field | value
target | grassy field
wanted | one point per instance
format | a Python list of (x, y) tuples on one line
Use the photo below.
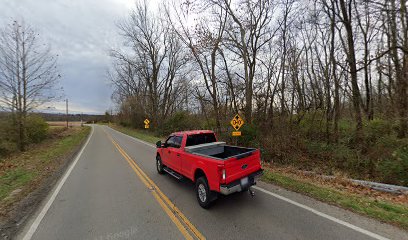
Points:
[(64, 124), (21, 173), (373, 204)]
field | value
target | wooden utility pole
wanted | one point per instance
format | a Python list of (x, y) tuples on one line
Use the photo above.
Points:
[(66, 108)]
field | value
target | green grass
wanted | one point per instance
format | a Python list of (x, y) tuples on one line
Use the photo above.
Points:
[(64, 145), (14, 179), (385, 211), (33, 164), (144, 135)]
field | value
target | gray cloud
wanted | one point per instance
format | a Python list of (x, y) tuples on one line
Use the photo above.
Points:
[(81, 33)]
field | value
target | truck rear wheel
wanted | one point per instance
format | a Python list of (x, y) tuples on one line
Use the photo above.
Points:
[(159, 165), (204, 195)]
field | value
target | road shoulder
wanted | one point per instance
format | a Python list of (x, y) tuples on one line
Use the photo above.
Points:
[(17, 213), (341, 214)]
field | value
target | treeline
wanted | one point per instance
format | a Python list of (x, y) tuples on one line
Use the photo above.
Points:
[(75, 117), (302, 73)]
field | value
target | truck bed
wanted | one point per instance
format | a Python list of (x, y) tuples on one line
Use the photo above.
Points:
[(219, 150)]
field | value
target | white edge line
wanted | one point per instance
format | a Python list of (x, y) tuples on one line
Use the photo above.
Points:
[(29, 234), (346, 224), (341, 222)]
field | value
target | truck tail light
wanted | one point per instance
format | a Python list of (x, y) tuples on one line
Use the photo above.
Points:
[(222, 173)]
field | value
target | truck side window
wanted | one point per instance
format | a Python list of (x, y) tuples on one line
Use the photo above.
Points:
[(190, 141), (170, 141), (177, 141), (197, 139)]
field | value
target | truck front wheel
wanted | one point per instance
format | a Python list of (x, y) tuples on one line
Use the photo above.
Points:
[(203, 193)]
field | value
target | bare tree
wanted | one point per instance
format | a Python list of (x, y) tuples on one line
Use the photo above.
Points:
[(398, 18), (368, 25), (144, 34), (28, 73), (154, 65), (204, 43), (248, 32), (346, 9), (298, 60)]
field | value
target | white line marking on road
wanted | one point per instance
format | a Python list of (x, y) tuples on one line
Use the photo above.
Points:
[(346, 224), (44, 211)]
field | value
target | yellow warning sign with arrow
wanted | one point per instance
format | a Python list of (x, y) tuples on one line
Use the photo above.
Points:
[(146, 122)]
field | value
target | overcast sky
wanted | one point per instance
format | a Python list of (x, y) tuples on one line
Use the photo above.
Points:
[(81, 32)]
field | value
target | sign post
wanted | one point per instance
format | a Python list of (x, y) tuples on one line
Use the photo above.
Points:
[(237, 123), (146, 122)]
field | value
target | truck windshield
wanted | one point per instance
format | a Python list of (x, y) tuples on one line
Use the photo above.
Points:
[(197, 139)]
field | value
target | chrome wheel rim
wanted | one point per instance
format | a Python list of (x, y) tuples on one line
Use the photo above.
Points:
[(202, 194)]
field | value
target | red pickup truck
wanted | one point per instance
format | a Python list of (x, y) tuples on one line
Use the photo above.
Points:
[(214, 166)]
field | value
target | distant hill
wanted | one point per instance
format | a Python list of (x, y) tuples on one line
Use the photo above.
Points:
[(71, 117), (62, 117)]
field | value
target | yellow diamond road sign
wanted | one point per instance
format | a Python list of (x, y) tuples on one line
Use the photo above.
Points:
[(146, 121), (237, 122)]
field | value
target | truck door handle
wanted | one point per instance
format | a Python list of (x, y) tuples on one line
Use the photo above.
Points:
[(178, 154)]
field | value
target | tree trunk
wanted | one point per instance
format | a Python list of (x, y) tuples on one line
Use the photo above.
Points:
[(403, 79), (351, 58)]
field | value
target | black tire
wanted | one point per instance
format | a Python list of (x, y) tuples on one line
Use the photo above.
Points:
[(204, 196), (159, 165)]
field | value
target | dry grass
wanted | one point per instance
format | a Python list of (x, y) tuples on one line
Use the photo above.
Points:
[(63, 124)]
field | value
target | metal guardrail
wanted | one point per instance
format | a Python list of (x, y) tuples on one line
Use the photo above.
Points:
[(383, 187)]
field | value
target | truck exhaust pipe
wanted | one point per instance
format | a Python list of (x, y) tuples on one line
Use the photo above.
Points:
[(251, 192)]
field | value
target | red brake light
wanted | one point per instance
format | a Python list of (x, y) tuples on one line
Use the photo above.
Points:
[(222, 173)]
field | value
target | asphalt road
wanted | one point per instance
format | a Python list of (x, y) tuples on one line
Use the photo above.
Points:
[(112, 191)]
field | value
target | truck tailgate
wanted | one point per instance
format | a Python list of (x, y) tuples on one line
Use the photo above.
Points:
[(243, 165)]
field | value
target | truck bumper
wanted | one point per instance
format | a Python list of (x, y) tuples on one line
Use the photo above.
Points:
[(242, 184)]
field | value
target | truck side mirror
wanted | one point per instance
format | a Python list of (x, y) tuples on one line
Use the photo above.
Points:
[(158, 144)]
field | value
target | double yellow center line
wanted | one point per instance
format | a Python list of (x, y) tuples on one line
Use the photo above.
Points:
[(186, 228)]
